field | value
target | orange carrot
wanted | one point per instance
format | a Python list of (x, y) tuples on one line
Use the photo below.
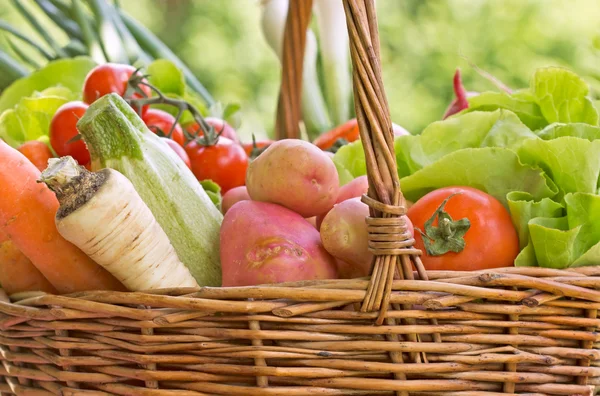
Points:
[(27, 216), (17, 273)]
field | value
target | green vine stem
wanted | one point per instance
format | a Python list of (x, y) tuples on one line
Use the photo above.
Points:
[(137, 80)]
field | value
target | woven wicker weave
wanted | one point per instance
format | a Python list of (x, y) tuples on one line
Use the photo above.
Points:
[(525, 331)]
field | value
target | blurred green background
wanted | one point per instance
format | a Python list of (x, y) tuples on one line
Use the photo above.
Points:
[(423, 42)]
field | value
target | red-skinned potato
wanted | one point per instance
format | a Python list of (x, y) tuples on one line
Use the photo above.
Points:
[(266, 243), (344, 235), (353, 189), (233, 196), (295, 174)]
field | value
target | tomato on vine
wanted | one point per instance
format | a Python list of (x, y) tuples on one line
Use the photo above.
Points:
[(63, 130), (111, 78), (160, 122), (221, 127), (254, 148), (224, 162), (37, 152), (463, 229)]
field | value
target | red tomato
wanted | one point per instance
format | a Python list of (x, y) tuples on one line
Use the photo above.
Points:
[(37, 152), (219, 125), (108, 78), (225, 163), (261, 144), (160, 122), (63, 128), (178, 150), (347, 131), (491, 240)]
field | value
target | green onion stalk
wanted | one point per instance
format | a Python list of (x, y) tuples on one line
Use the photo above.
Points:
[(335, 53), (314, 110)]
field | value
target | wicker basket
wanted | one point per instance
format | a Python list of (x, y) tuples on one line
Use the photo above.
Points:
[(403, 331)]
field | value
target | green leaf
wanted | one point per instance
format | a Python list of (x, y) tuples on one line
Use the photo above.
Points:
[(523, 208), (578, 129), (562, 96), (524, 107), (572, 163), (69, 73), (214, 192), (553, 242), (29, 119), (494, 170), (583, 210), (165, 76), (500, 128), (569, 237), (350, 162)]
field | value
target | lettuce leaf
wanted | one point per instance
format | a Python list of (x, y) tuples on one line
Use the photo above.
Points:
[(576, 129), (31, 116), (66, 73), (557, 235), (494, 170), (524, 106), (562, 96), (572, 163), (500, 128)]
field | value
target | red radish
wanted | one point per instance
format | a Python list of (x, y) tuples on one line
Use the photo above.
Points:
[(233, 196), (266, 243), (460, 102)]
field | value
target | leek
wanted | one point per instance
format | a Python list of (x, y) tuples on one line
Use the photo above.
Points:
[(314, 109), (335, 53)]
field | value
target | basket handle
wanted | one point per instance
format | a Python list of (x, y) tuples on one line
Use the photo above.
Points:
[(389, 239), (287, 124)]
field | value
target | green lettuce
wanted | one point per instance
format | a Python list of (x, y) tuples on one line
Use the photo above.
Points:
[(562, 96), (536, 150), (494, 170), (68, 74), (572, 163), (524, 106), (557, 235), (577, 129), (31, 116)]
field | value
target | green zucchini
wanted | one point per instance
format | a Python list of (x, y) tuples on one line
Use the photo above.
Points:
[(117, 138)]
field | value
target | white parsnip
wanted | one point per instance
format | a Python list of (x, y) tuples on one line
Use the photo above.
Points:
[(102, 214)]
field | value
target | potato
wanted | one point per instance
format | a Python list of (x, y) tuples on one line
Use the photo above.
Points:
[(344, 235), (295, 174), (266, 243), (356, 188), (233, 196)]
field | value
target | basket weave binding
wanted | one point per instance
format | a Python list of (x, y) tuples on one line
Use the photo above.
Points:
[(402, 331)]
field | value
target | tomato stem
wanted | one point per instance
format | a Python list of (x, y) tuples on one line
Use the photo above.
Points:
[(449, 234), (209, 136)]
